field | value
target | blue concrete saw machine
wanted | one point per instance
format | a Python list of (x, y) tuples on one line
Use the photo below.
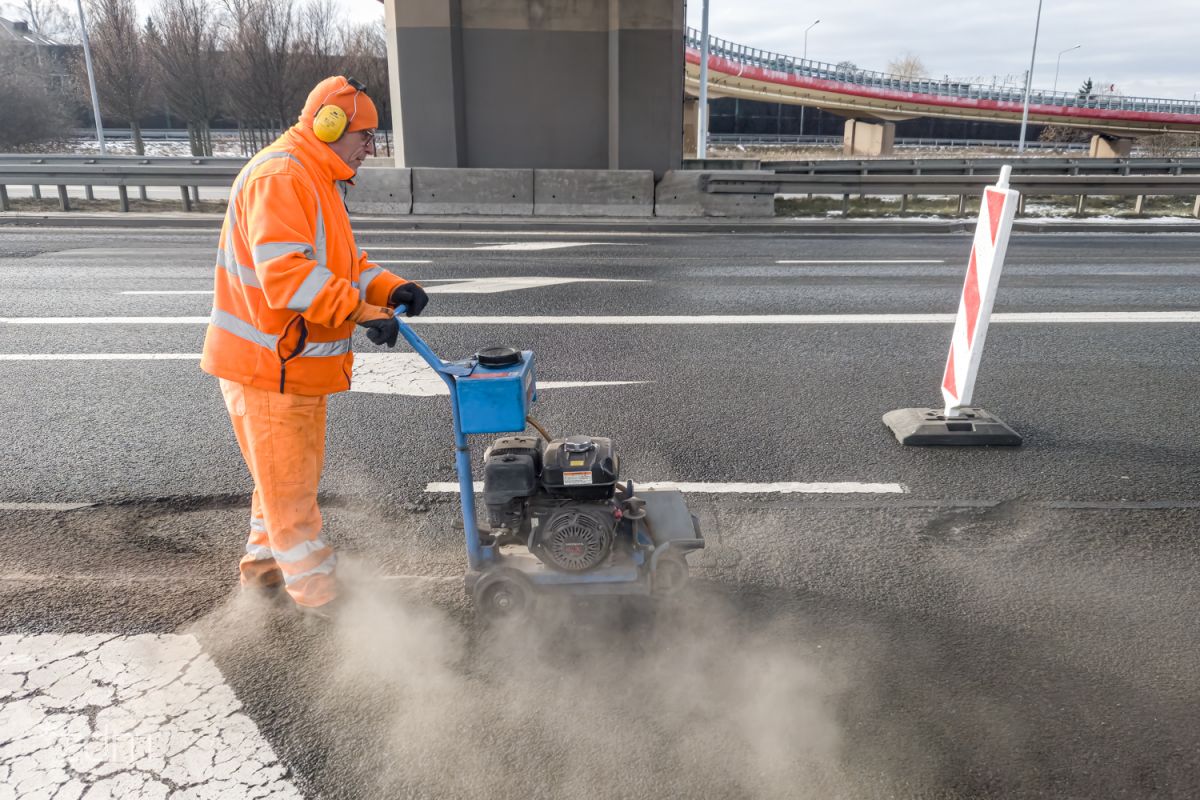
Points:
[(560, 520)]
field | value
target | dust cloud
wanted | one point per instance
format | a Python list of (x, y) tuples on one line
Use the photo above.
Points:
[(606, 700)]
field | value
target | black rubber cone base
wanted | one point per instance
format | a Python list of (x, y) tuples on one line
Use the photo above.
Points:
[(929, 426)]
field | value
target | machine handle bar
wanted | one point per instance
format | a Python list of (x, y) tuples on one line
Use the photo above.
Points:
[(446, 369)]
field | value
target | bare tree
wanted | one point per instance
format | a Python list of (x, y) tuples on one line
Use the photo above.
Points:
[(265, 91), (318, 44), (182, 37), (50, 18), (363, 50), (908, 66), (119, 55)]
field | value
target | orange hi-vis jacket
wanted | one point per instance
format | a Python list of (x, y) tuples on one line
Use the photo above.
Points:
[(289, 274)]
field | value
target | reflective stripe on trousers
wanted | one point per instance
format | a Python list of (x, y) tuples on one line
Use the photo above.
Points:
[(282, 439)]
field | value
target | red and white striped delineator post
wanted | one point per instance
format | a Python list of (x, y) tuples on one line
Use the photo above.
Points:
[(996, 214), (958, 422)]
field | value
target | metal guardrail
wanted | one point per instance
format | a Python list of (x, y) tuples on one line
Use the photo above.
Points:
[(964, 186), (989, 166), (58, 159), (844, 73), (153, 134), (784, 140), (781, 183), (187, 176)]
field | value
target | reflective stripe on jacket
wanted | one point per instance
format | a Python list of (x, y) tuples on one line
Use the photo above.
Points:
[(289, 274)]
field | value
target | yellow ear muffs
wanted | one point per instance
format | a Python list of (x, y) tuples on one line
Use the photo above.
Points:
[(330, 123)]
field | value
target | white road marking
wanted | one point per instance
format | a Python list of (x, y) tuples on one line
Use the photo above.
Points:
[(104, 320), (374, 373), (495, 285), (126, 716), (849, 487), (786, 487), (521, 247), (408, 374), (449, 285), (44, 506), (99, 356), (1037, 317), (866, 261), (408, 261)]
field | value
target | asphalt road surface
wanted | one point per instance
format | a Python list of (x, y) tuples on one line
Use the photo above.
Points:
[(867, 621)]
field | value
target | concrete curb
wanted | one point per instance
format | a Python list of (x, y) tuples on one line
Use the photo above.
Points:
[(503, 192), (593, 193), (381, 190), (114, 220)]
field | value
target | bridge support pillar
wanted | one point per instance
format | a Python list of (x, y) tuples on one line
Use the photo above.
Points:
[(691, 124), (1110, 147), (864, 138), (553, 84)]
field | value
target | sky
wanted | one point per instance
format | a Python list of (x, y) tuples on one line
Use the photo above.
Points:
[(1146, 47)]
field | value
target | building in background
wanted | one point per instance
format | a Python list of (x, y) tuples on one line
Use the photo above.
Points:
[(22, 46)]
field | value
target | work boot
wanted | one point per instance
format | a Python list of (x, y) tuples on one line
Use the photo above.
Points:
[(324, 614), (266, 593)]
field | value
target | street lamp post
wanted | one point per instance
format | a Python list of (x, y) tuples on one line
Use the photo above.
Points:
[(1058, 63), (802, 107), (87, 58), (1037, 26), (702, 112)]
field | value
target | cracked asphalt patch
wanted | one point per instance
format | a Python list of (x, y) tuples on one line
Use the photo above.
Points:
[(91, 716)]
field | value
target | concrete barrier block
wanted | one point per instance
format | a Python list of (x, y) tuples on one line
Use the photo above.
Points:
[(472, 191), (678, 194), (593, 193), (381, 190)]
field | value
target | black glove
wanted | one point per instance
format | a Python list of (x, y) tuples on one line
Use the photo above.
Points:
[(381, 326), (410, 295), (382, 331)]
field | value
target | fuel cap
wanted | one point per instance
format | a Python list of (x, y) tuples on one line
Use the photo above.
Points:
[(499, 357), (578, 444)]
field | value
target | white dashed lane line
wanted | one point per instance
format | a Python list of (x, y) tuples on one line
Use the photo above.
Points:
[(518, 247), (101, 715), (374, 373), (449, 285), (866, 261), (99, 356), (787, 487), (44, 506), (1039, 318)]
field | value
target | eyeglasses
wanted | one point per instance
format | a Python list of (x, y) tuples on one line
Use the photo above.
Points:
[(367, 136)]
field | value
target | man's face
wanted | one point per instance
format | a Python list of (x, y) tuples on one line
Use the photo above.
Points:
[(354, 147)]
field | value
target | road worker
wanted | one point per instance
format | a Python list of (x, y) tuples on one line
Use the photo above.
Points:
[(291, 285)]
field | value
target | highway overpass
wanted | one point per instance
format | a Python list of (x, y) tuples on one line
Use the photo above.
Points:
[(866, 96)]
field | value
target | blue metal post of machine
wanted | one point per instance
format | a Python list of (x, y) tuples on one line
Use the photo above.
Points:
[(462, 455)]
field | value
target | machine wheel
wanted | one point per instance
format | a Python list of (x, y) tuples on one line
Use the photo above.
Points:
[(500, 597), (670, 575)]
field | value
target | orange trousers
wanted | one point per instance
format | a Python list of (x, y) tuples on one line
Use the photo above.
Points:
[(282, 438)]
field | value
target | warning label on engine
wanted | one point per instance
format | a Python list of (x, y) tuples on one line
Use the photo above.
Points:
[(577, 478)]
